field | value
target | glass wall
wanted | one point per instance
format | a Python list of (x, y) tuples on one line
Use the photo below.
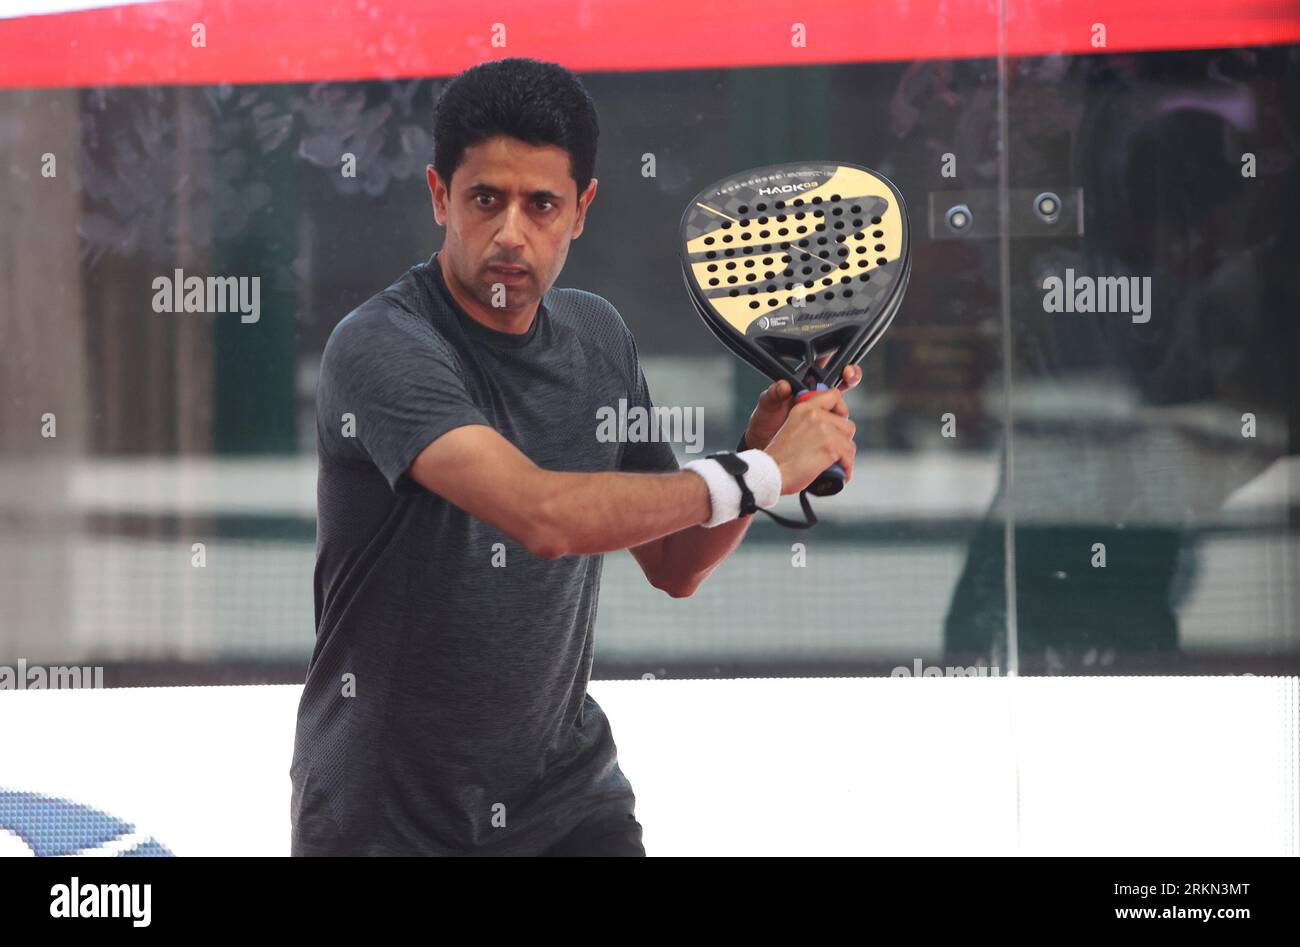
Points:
[(1150, 464), (1076, 444)]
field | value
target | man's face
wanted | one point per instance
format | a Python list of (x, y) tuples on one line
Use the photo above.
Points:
[(511, 205)]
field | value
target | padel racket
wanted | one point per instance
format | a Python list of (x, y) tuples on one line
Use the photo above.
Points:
[(798, 269)]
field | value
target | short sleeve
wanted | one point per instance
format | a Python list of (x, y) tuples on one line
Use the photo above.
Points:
[(645, 456), (400, 385)]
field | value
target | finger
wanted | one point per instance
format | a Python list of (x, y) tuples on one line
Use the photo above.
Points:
[(839, 406), (849, 378), (848, 453), (830, 400), (842, 424), (846, 461)]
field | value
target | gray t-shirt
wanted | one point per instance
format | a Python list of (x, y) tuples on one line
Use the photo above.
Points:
[(446, 708)]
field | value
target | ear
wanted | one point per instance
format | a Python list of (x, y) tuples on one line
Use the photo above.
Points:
[(438, 194), (584, 202)]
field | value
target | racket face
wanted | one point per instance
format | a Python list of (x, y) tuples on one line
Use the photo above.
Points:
[(788, 263)]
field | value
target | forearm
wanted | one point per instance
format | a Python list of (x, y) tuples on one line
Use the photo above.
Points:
[(691, 555), (587, 513)]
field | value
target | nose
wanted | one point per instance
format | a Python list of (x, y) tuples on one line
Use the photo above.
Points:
[(511, 235)]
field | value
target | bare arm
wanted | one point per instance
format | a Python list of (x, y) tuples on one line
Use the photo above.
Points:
[(556, 513), (680, 562)]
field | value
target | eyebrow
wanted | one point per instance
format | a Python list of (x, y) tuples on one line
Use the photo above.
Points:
[(481, 187)]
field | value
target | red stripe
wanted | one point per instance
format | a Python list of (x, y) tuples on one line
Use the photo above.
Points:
[(308, 40)]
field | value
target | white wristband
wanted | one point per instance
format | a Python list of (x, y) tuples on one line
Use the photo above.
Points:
[(763, 479)]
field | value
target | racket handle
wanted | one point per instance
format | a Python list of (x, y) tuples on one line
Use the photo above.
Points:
[(831, 480)]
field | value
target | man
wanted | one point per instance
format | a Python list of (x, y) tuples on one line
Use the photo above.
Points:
[(465, 502)]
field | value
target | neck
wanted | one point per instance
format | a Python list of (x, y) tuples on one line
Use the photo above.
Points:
[(513, 321)]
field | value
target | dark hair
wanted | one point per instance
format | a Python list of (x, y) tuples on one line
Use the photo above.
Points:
[(541, 103)]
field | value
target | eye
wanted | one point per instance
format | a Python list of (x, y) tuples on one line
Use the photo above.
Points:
[(543, 201), (480, 197)]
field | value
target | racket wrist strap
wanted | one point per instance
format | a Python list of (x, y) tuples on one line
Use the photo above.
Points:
[(810, 518)]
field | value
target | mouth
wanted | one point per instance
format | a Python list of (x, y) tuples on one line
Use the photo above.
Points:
[(508, 272)]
